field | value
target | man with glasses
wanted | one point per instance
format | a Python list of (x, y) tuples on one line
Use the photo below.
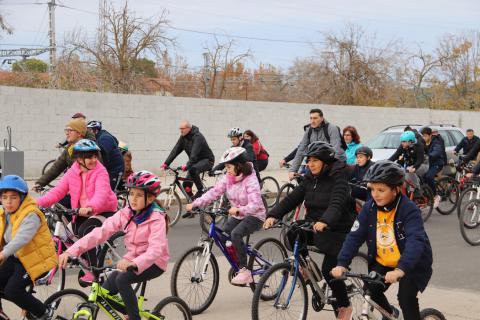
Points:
[(75, 130), (200, 156)]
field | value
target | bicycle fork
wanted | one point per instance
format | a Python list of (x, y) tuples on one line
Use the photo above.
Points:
[(201, 263)]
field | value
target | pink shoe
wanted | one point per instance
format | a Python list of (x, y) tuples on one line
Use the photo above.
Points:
[(345, 313), (244, 276), (88, 277)]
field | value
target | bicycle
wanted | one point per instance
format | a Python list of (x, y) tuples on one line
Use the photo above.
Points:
[(63, 237), (423, 197), (288, 187), (270, 189), (286, 283), (469, 221), (196, 272), (60, 304), (169, 198), (364, 308), (49, 164)]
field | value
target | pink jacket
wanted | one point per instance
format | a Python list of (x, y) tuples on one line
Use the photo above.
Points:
[(243, 193), (146, 243), (100, 196)]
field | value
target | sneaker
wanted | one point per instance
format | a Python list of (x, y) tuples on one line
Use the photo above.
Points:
[(436, 201), (188, 214), (344, 313), (243, 277), (395, 313), (88, 277)]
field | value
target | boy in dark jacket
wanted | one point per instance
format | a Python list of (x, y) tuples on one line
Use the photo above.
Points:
[(364, 155), (398, 246), (437, 158)]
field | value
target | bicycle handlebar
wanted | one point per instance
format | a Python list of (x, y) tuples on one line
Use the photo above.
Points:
[(96, 270), (218, 212), (372, 278)]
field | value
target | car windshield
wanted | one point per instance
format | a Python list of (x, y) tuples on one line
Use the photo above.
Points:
[(385, 140)]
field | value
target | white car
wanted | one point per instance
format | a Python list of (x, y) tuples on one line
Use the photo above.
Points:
[(387, 141)]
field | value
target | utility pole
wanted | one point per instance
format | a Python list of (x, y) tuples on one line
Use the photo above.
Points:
[(206, 76), (102, 24), (51, 34)]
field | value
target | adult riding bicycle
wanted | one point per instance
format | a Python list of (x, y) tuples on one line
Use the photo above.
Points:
[(75, 304), (364, 308), (286, 283), (195, 277)]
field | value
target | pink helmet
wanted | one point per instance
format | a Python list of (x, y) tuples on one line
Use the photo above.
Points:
[(144, 180)]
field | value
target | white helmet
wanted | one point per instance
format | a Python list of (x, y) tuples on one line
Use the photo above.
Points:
[(235, 132), (233, 154)]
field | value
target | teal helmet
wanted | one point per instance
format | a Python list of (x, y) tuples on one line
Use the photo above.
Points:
[(408, 136)]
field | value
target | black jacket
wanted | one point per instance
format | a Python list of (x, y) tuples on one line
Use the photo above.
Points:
[(356, 176), (412, 156), (111, 154), (195, 145), (327, 200), (466, 144), (436, 152)]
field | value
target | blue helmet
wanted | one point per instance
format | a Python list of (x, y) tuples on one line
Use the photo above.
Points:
[(13, 182), (94, 124), (85, 145), (408, 136)]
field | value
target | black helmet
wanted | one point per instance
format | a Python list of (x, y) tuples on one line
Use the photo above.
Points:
[(365, 151), (320, 150), (387, 172)]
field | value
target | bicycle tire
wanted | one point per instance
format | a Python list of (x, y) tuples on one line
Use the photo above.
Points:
[(285, 268), (53, 302), (446, 188), (45, 290), (270, 195), (173, 206), (174, 281), (465, 227), (267, 256), (470, 193), (286, 188), (431, 314), (174, 301)]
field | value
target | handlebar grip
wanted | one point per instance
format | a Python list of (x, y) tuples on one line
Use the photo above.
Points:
[(132, 268)]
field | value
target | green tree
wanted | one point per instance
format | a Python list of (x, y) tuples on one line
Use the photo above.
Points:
[(30, 65), (145, 67)]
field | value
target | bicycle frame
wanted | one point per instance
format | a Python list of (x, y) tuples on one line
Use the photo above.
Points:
[(368, 303), (100, 298)]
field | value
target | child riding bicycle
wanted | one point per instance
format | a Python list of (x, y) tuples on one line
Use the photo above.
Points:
[(398, 246), (247, 213), (145, 225), (27, 248), (88, 184)]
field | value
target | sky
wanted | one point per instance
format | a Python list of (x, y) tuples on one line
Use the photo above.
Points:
[(295, 26)]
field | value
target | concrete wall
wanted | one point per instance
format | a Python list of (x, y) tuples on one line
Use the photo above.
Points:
[(149, 124)]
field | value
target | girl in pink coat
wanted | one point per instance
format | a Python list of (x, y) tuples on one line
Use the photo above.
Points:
[(145, 225), (247, 213), (88, 184)]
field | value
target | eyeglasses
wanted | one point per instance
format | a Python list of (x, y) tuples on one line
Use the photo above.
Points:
[(68, 130)]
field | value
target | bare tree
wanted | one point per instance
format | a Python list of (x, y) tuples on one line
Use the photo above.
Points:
[(222, 63), (4, 27), (127, 39)]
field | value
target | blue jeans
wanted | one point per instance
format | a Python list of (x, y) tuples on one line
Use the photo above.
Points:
[(429, 177)]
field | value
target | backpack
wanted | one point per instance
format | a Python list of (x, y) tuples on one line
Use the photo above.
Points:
[(327, 136)]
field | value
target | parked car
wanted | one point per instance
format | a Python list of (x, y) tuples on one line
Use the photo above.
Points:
[(387, 141)]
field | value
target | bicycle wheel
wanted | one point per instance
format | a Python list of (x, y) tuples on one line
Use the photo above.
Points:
[(195, 280), (285, 191), (470, 222), (63, 303), (465, 197), (171, 203), (279, 282), (172, 308), (424, 201), (270, 189), (269, 251), (431, 314), (47, 167), (448, 190), (122, 199), (112, 251)]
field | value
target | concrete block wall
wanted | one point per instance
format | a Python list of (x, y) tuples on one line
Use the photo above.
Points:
[(149, 124)]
